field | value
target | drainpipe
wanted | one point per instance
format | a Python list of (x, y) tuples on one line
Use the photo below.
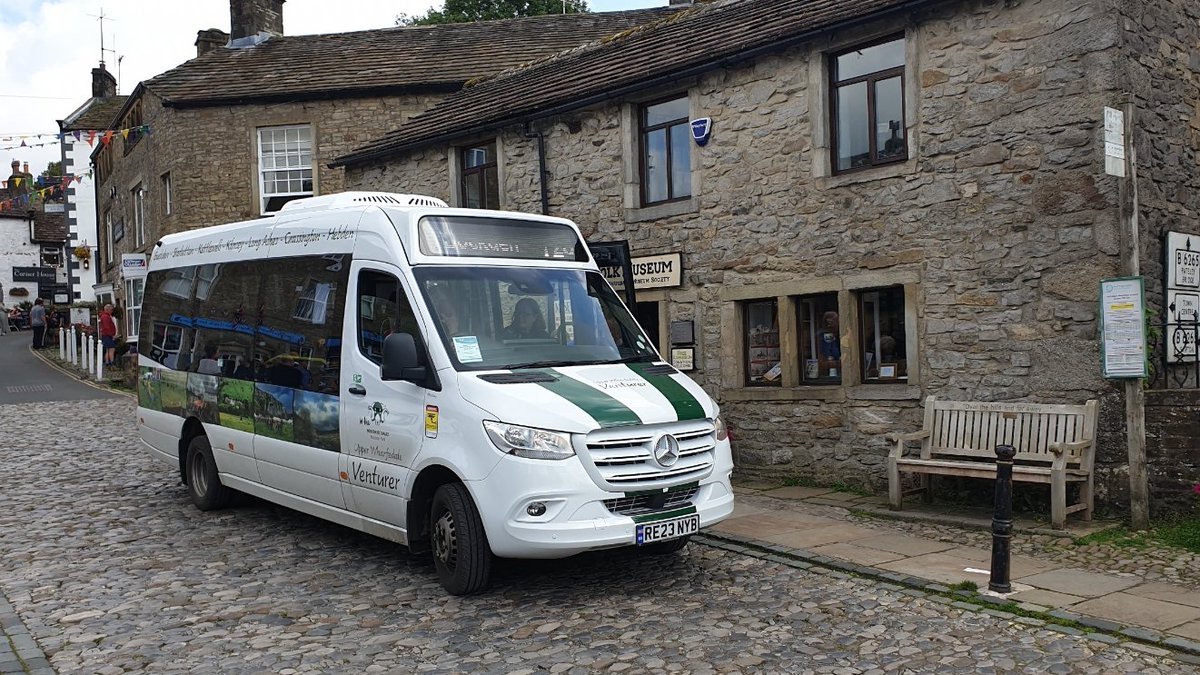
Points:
[(541, 139)]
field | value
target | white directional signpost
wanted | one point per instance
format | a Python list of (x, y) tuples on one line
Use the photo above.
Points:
[(1183, 296)]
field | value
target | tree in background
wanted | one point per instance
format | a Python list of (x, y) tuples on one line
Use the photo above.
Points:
[(466, 11)]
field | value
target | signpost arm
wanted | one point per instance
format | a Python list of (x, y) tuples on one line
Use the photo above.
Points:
[(1135, 410)]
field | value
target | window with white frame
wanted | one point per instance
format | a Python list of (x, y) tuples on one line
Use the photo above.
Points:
[(284, 165), (166, 186), (133, 306), (315, 300), (51, 256), (108, 234), (138, 199)]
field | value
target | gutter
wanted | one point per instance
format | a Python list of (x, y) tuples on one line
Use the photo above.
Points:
[(608, 95)]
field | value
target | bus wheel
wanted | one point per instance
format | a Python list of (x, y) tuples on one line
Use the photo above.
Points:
[(665, 547), (460, 549), (204, 485)]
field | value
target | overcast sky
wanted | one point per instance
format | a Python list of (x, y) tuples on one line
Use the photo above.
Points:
[(49, 47)]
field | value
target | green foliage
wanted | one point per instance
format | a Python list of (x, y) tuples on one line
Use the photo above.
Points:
[(466, 11), (1181, 532), (966, 585), (53, 169)]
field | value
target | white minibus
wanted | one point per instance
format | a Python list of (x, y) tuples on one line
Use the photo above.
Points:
[(457, 380)]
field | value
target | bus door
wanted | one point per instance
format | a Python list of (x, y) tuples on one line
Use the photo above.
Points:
[(382, 422)]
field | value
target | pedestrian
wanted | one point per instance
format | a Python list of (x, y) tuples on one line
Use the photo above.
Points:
[(37, 321), (3, 319), (108, 334)]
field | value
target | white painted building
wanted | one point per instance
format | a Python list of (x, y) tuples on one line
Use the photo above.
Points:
[(78, 141), (16, 250)]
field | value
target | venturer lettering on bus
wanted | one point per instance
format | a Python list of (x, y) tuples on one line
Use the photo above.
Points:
[(373, 477)]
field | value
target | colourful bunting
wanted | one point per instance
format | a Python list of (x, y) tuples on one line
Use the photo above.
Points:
[(91, 134)]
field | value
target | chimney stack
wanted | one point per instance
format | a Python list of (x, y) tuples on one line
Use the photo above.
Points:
[(248, 18), (208, 40), (680, 3), (104, 85)]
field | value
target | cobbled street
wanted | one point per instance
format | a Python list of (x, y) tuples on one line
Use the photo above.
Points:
[(112, 570)]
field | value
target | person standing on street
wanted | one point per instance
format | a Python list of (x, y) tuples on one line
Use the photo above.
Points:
[(108, 334), (37, 320), (3, 319)]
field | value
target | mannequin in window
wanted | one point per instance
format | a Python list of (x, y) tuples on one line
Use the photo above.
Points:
[(527, 322)]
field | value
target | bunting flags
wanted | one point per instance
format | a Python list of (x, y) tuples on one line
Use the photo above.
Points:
[(91, 134), (25, 199)]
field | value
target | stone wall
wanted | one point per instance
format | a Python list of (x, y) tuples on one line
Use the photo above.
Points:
[(999, 227), (1173, 449), (212, 154)]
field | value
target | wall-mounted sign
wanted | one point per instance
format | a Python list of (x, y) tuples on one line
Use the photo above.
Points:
[(684, 358), (1123, 327), (35, 274), (133, 265), (701, 130), (682, 333), (1114, 142), (653, 271), (1183, 296)]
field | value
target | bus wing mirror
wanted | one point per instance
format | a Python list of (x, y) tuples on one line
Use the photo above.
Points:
[(400, 359)]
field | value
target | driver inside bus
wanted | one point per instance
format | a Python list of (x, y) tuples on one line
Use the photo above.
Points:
[(527, 322)]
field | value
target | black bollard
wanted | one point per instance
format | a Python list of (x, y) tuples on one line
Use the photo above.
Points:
[(1002, 520)]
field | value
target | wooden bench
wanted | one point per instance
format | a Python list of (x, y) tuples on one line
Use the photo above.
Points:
[(1056, 444)]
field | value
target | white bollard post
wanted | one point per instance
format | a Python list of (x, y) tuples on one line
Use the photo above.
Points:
[(99, 360), (71, 345), (87, 353), (62, 344)]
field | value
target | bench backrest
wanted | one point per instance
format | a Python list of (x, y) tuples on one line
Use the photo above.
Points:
[(965, 428)]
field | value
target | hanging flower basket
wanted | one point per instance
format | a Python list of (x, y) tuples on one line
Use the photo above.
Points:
[(82, 252), (19, 292)]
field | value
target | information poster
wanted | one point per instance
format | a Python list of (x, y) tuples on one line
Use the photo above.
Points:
[(1123, 327)]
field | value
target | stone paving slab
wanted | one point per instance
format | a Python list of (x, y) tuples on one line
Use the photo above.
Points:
[(1019, 566), (1190, 630), (1131, 609), (817, 536), (941, 567), (1080, 582), (856, 554), (759, 524), (1167, 593), (1041, 596), (797, 492), (903, 544)]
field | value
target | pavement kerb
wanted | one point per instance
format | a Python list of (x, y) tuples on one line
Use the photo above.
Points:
[(1053, 619), (83, 379)]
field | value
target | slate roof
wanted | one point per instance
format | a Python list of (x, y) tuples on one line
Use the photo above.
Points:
[(697, 39), (49, 227), (390, 60), (97, 113)]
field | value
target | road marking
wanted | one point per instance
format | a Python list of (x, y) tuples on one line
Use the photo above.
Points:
[(29, 388)]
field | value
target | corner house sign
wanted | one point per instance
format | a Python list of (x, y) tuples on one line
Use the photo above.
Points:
[(652, 271), (133, 265)]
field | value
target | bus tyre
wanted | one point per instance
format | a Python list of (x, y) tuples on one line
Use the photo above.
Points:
[(665, 547), (204, 485), (460, 549)]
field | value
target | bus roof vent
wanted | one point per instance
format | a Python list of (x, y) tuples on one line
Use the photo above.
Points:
[(344, 200)]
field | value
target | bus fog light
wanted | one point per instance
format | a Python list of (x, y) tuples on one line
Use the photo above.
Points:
[(536, 509)]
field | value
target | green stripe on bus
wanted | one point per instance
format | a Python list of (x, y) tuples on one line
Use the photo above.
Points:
[(606, 410), (686, 406), (664, 515)]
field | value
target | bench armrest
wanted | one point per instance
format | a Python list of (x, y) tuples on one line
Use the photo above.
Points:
[(1073, 447), (900, 439)]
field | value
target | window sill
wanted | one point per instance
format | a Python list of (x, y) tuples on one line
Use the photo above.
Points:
[(904, 168), (884, 392), (832, 393), (690, 205)]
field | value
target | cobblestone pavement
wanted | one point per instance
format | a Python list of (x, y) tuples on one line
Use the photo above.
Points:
[(111, 570)]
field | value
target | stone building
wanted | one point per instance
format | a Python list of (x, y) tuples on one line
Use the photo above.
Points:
[(255, 119), (78, 139), (899, 198)]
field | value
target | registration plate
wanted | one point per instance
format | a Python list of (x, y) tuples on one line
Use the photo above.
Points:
[(662, 530)]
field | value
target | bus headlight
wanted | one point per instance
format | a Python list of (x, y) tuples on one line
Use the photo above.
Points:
[(529, 442)]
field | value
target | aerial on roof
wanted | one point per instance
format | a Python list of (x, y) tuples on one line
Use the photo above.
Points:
[(697, 39), (389, 60)]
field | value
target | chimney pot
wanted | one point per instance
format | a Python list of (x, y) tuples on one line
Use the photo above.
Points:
[(251, 17), (104, 85), (208, 40)]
